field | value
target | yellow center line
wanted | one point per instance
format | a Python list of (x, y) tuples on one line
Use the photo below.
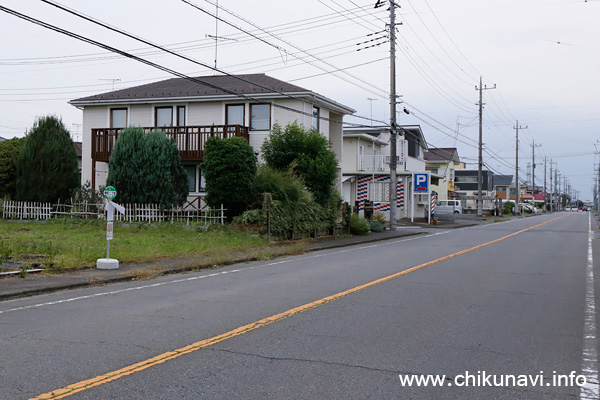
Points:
[(161, 358)]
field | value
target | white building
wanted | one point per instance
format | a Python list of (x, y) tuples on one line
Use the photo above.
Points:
[(366, 172), (192, 111)]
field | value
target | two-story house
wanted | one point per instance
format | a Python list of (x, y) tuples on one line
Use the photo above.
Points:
[(443, 162), (366, 171), (502, 186), (467, 188), (191, 111)]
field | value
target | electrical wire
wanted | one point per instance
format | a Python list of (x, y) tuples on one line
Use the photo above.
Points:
[(295, 47), (160, 67)]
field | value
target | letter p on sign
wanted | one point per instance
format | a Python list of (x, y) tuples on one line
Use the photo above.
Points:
[(421, 183)]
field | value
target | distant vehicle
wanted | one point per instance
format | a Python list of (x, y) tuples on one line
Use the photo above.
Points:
[(527, 207), (449, 207)]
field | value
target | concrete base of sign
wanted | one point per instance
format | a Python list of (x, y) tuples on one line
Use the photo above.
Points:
[(107, 263)]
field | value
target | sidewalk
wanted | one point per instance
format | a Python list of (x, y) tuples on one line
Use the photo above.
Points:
[(34, 284)]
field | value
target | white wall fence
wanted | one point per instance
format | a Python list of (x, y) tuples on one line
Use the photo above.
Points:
[(20, 210), (26, 210)]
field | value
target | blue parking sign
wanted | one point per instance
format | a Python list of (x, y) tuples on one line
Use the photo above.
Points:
[(421, 183)]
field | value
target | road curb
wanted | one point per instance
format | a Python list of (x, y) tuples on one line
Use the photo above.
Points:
[(200, 266)]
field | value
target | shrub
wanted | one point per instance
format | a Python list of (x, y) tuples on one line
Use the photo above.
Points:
[(229, 168), (359, 225), (379, 218), (146, 168), (47, 164), (508, 208), (307, 153), (283, 186), (376, 226), (9, 153)]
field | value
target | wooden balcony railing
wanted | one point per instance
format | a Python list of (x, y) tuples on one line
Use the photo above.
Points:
[(190, 140)]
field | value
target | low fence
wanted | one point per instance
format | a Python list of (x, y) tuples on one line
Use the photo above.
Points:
[(21, 210), (26, 210)]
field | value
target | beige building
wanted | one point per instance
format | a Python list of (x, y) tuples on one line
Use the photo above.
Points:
[(443, 162)]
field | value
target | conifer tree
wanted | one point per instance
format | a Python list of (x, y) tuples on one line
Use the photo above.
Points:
[(47, 165), (9, 153), (229, 168), (146, 168)]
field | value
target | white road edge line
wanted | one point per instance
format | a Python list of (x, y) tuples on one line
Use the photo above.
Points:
[(383, 243), (589, 365), (193, 278)]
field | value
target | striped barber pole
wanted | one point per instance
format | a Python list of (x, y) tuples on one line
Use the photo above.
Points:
[(433, 201), (362, 193)]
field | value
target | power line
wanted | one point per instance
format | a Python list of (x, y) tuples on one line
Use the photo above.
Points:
[(292, 45), (160, 67)]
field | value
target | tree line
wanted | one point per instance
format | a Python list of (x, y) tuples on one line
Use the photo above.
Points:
[(298, 169)]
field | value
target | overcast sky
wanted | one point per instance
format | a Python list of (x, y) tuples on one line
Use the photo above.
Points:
[(542, 55)]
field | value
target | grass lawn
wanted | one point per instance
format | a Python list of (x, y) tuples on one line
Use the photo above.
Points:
[(69, 243)]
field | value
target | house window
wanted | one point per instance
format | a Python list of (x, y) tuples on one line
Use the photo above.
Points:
[(163, 116), (180, 115), (196, 182), (466, 179), (315, 118), (379, 192), (413, 146), (234, 114), (118, 117), (260, 117)]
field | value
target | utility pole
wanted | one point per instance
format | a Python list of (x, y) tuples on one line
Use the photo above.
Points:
[(556, 188), (551, 188), (517, 127), (393, 128), (565, 187), (598, 190), (545, 192), (533, 146), (480, 166), (559, 198)]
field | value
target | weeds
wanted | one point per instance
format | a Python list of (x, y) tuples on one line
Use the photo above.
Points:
[(63, 245)]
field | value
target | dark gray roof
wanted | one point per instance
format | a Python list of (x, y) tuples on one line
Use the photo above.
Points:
[(2, 139), (442, 154), (208, 87), (503, 180), (181, 87)]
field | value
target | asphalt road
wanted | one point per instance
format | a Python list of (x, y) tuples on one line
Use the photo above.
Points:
[(517, 300)]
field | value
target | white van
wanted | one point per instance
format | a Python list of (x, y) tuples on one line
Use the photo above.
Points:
[(449, 207)]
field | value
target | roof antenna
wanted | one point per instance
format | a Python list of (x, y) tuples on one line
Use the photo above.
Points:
[(113, 80), (216, 34)]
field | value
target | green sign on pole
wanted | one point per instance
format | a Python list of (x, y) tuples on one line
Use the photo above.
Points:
[(110, 193)]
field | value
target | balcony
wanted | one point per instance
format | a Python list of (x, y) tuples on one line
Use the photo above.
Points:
[(190, 140), (376, 163)]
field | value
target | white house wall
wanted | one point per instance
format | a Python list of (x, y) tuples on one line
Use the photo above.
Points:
[(208, 113), (93, 117), (139, 115), (205, 113), (415, 165)]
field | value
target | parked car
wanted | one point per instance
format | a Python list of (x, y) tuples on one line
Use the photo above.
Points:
[(449, 207), (528, 207)]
